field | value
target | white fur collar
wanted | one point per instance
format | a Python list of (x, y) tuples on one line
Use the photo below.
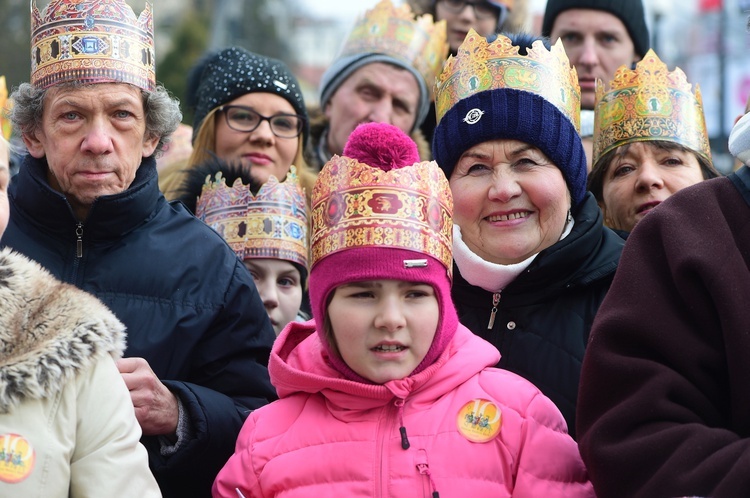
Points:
[(49, 331)]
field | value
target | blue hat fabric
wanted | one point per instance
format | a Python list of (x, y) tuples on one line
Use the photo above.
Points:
[(512, 114)]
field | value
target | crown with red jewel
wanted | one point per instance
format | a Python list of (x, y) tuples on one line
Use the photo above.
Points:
[(480, 65), (92, 41), (355, 205), (271, 224), (393, 30), (649, 103)]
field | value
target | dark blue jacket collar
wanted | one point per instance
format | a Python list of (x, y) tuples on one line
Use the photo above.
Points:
[(111, 216)]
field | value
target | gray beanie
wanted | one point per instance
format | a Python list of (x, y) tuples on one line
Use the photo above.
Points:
[(343, 67)]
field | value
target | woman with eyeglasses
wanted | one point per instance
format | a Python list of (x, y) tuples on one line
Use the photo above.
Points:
[(249, 110)]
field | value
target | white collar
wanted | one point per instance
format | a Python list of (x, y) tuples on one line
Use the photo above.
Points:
[(491, 277)]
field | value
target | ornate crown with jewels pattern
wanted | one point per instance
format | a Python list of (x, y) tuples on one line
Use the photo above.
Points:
[(92, 41), (269, 225), (394, 31), (649, 103), (356, 205), (480, 65)]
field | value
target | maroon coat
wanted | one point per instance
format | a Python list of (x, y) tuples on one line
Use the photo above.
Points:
[(664, 402)]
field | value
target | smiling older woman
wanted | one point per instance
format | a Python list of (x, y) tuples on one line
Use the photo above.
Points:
[(533, 259), (656, 147)]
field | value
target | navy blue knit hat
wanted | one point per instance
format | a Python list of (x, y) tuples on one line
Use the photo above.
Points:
[(512, 114), (223, 76)]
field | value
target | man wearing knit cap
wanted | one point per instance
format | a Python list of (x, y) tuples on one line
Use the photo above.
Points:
[(599, 36), (384, 73)]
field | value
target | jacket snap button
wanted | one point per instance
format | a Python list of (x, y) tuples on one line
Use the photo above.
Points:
[(511, 325)]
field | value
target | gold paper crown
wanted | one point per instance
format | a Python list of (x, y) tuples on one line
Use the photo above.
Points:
[(271, 224), (649, 103), (390, 30), (480, 65), (356, 206), (5, 105), (92, 41)]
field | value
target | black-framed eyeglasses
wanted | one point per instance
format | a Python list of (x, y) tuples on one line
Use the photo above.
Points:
[(482, 8), (245, 119)]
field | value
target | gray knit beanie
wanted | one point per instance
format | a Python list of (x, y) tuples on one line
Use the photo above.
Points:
[(344, 66)]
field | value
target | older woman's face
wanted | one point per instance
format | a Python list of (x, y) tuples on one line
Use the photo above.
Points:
[(510, 200), (643, 177)]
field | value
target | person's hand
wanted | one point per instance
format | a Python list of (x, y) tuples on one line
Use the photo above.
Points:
[(156, 407)]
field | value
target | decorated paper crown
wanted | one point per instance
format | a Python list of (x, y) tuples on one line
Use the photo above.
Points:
[(271, 224), (5, 124), (480, 65), (92, 41), (394, 31), (358, 206), (649, 103)]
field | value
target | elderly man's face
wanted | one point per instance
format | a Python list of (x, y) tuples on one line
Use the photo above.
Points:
[(375, 93), (93, 138)]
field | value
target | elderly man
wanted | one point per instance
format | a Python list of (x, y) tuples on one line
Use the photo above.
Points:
[(384, 73), (86, 205)]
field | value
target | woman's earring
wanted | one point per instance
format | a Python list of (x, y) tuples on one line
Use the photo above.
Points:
[(569, 218)]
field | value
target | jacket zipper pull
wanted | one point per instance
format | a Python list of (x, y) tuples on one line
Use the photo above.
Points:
[(424, 469), (79, 240), (495, 301), (404, 440)]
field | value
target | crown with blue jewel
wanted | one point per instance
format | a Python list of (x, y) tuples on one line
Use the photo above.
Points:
[(92, 41)]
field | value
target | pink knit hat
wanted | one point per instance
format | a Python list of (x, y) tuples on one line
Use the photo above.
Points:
[(378, 213)]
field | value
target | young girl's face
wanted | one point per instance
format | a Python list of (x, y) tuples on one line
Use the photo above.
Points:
[(383, 328), (280, 287)]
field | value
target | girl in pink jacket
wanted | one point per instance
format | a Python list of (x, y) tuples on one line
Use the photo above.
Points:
[(384, 393)]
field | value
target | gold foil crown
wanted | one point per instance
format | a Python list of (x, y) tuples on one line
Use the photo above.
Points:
[(479, 66), (649, 103), (355, 206), (269, 225), (92, 41), (390, 30)]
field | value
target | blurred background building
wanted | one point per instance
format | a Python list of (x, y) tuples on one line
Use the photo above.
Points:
[(708, 39)]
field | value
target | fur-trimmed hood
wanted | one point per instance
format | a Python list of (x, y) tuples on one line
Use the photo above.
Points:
[(49, 331)]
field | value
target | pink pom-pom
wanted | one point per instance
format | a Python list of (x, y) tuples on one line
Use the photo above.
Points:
[(381, 145)]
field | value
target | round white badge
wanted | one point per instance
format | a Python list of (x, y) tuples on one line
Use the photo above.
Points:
[(473, 116)]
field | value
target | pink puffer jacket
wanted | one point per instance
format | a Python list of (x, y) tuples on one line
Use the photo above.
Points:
[(469, 430)]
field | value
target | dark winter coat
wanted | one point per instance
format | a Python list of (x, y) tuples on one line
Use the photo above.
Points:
[(664, 407), (544, 316), (190, 306)]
